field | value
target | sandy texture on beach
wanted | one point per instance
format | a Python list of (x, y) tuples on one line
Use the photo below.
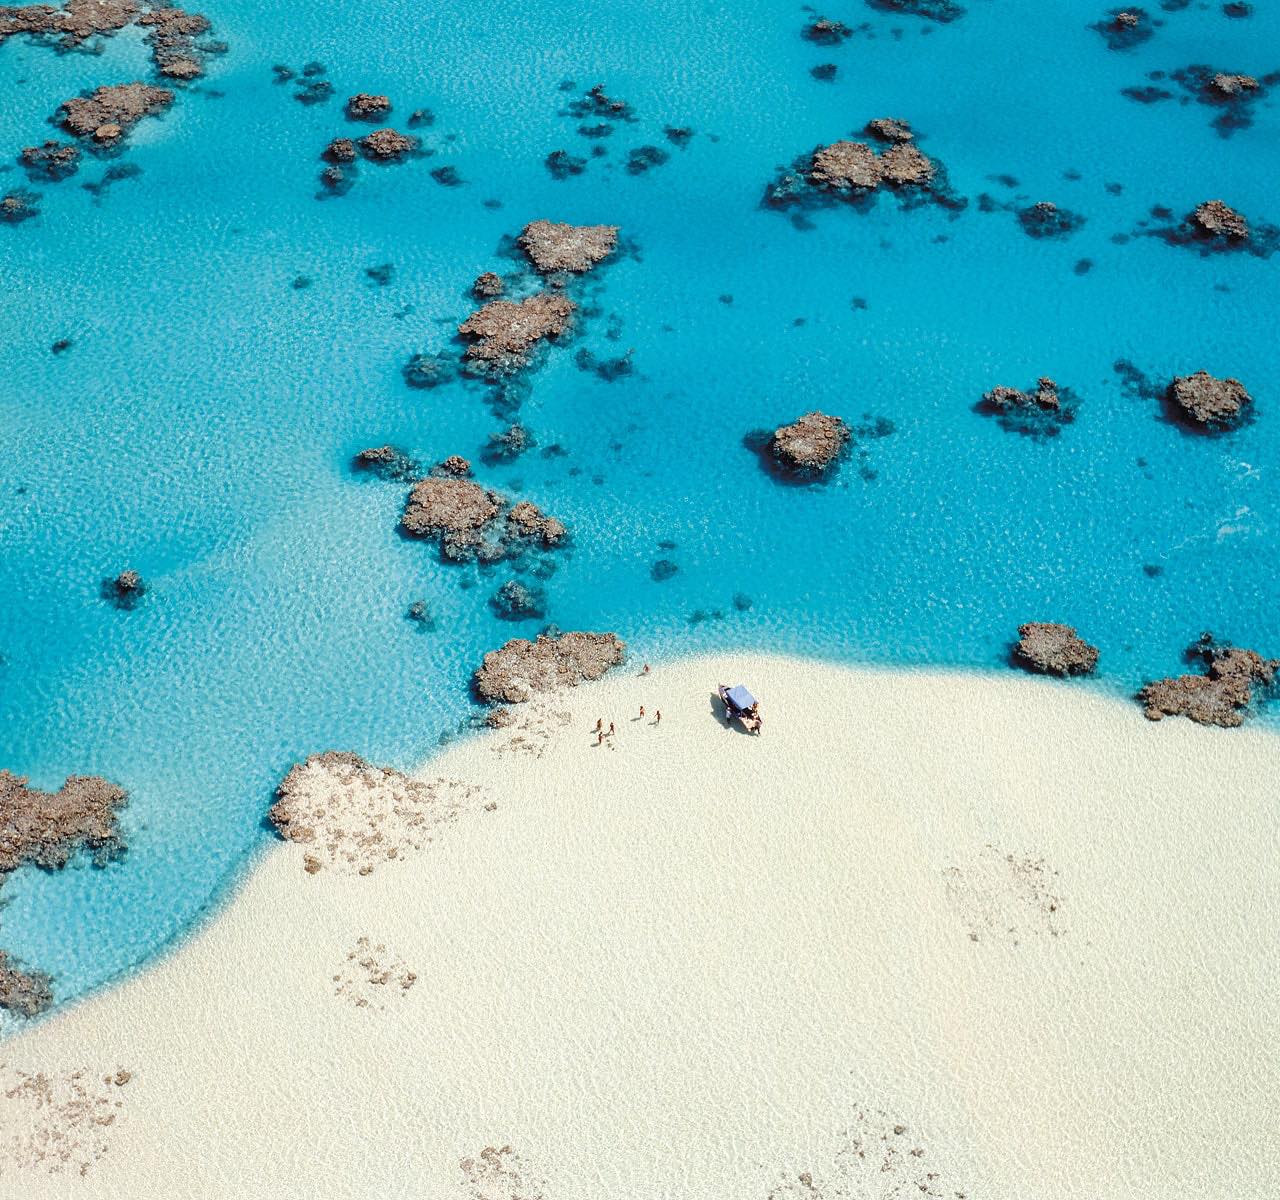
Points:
[(931, 935)]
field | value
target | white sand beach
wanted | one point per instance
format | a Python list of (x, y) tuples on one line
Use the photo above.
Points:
[(932, 934)]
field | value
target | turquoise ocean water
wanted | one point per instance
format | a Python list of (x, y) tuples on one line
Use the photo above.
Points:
[(200, 426)]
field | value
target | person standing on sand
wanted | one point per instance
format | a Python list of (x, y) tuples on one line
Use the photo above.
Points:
[(657, 716), (642, 712), (611, 729), (599, 724), (599, 737), (646, 669)]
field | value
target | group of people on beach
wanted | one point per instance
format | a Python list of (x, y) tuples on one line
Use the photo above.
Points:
[(601, 732)]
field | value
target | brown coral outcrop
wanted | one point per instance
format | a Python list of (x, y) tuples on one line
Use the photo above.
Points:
[(1215, 219), (1209, 401), (364, 106), (905, 165), (846, 165), (522, 669), (503, 332), (552, 246), (1233, 85), (25, 993), (109, 113), (811, 444), (890, 129), (470, 521), (1045, 396), (387, 145), (1221, 696), (1054, 649), (488, 285), (78, 21), (45, 829)]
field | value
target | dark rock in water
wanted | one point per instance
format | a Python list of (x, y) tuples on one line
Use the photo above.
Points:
[(366, 107), (488, 285), (45, 829), (553, 246), (742, 602), (447, 176), (1083, 267), (942, 11), (905, 166), (23, 993), (1047, 220), (890, 129), (61, 346), (608, 369), (678, 135), (824, 32), (470, 521), (508, 445), (1125, 28), (1209, 402), (340, 150), (644, 158), (381, 275), (52, 161), (1237, 11), (563, 165), (172, 37), (824, 72), (107, 114), (516, 601), (18, 206), (662, 570), (387, 145), (522, 669), (1221, 696), (1216, 221), (596, 102), (420, 118), (504, 332), (388, 462), (420, 614), (1232, 94), (846, 165), (430, 370), (1038, 412), (1232, 85), (125, 590), (1054, 649), (811, 444), (70, 26), (454, 465), (337, 179)]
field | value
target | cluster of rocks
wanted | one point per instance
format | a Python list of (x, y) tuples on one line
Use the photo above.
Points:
[(1037, 412), (811, 444), (125, 590), (18, 206), (388, 462), (1125, 28), (472, 522), (522, 669), (1053, 649), (364, 106), (1044, 219), (508, 445), (171, 32), (52, 160), (26, 993), (107, 114), (1215, 227), (1209, 402), (941, 11), (554, 247), (1221, 695), (503, 333), (519, 601), (824, 32), (854, 171), (1215, 220), (45, 829), (488, 286)]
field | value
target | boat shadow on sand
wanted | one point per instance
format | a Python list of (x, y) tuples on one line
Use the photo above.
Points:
[(721, 714)]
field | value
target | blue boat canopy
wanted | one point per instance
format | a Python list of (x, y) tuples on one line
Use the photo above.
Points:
[(739, 697)]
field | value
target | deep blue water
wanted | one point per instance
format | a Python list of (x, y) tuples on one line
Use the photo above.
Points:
[(201, 425)]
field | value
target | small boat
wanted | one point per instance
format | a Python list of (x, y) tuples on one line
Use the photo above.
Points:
[(742, 706)]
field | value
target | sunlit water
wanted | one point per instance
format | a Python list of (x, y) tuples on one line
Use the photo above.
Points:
[(201, 425)]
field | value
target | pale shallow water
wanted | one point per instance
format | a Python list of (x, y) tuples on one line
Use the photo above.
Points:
[(201, 425)]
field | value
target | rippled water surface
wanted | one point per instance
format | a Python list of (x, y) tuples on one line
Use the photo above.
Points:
[(200, 426)]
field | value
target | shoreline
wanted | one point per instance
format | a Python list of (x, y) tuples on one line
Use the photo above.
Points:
[(622, 955)]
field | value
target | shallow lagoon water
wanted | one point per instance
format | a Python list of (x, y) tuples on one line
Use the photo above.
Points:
[(201, 425)]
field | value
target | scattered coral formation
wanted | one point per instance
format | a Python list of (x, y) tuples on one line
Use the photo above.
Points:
[(107, 114), (1125, 28), (471, 522), (488, 285), (825, 32), (1214, 219), (171, 36), (125, 590), (811, 444), (1044, 219), (387, 145), (504, 332), (1054, 649), (1210, 403), (370, 973), (26, 993), (500, 1174), (353, 816), (58, 1123), (388, 462), (1005, 897), (364, 106), (45, 829), (1038, 412), (1221, 696), (552, 246), (521, 669), (51, 161), (518, 601)]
